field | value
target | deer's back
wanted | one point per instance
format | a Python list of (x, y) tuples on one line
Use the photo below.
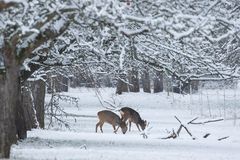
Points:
[(130, 113), (109, 117)]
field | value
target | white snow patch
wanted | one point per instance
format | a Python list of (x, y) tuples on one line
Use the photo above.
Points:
[(81, 142)]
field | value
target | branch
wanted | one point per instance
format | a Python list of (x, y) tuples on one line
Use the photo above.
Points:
[(44, 35), (5, 5), (129, 33), (173, 135), (183, 126), (209, 121), (223, 138)]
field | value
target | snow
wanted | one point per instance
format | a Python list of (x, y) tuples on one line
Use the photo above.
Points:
[(81, 141), (26, 29), (128, 32), (121, 58), (17, 1), (181, 35), (58, 25)]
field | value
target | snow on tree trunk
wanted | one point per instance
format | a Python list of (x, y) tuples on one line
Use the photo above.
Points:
[(28, 105), (158, 82)]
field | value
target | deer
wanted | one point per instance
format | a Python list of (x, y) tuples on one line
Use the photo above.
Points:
[(130, 115), (111, 118)]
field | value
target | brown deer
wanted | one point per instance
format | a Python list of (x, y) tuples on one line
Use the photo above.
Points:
[(132, 116), (111, 118)]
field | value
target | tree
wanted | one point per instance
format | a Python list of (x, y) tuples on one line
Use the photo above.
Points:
[(18, 42), (158, 82), (146, 80), (187, 39)]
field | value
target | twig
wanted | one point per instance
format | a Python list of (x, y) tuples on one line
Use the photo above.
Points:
[(173, 135), (192, 120), (219, 139), (183, 126), (206, 135), (209, 121), (190, 134), (179, 130), (178, 120)]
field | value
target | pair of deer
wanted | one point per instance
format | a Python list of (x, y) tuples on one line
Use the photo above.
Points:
[(127, 114)]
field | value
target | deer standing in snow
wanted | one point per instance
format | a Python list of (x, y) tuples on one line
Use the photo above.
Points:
[(132, 116), (111, 118)]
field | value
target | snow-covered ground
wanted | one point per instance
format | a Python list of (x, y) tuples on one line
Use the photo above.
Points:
[(81, 141)]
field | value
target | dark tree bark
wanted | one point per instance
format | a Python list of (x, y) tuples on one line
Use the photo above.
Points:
[(27, 102), (7, 119), (107, 81), (134, 81), (61, 84), (121, 85), (38, 91), (12, 122), (158, 82), (146, 81), (194, 86)]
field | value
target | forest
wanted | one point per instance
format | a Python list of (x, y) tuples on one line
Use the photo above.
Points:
[(176, 63)]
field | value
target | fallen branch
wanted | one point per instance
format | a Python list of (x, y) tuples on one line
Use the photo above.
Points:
[(173, 135), (206, 135), (219, 139), (183, 126), (192, 120), (209, 121)]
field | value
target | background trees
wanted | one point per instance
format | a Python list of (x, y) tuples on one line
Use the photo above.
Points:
[(184, 41)]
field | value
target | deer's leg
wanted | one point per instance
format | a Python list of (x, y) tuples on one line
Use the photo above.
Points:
[(101, 124), (130, 123), (97, 125), (138, 127), (114, 128)]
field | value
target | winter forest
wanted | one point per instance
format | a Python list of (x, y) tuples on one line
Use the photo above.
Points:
[(120, 79)]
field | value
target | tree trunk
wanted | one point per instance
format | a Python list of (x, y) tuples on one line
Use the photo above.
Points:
[(190, 87), (62, 84), (11, 119), (28, 104), (38, 91), (134, 81), (121, 85), (146, 81), (33, 96), (158, 82), (7, 119)]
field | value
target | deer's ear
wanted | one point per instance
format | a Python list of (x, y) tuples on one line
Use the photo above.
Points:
[(145, 122)]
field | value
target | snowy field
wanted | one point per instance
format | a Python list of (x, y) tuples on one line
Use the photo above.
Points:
[(80, 142)]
